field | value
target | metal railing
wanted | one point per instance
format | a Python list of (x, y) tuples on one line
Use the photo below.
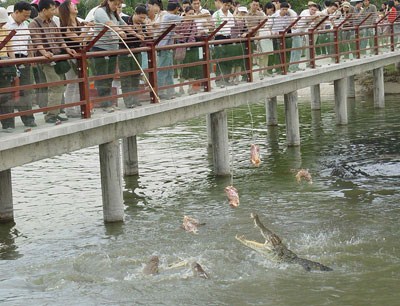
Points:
[(350, 38)]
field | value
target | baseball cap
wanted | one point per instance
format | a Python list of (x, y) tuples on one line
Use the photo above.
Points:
[(243, 9)]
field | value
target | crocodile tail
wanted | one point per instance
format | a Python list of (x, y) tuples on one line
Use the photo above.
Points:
[(309, 265)]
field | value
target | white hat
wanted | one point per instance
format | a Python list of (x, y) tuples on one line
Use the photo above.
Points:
[(10, 9), (242, 9), (3, 15)]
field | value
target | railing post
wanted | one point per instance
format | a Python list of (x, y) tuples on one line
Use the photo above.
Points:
[(392, 37), (152, 57), (282, 53), (357, 38), (376, 41), (206, 66), (336, 42), (84, 87), (311, 47), (249, 60)]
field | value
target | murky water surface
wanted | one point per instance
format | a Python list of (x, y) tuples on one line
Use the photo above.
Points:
[(60, 251)]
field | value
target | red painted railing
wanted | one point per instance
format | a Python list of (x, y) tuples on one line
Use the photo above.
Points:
[(346, 39)]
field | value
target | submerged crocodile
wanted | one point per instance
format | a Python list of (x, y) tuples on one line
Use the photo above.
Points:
[(274, 249)]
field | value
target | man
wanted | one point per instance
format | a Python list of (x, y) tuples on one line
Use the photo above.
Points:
[(327, 38), (222, 50), (308, 16), (280, 20), (368, 33), (203, 24), (254, 17), (7, 74), (126, 62), (47, 41), (165, 57), (19, 49)]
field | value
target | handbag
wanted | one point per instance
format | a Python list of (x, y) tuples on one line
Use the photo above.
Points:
[(180, 54), (62, 67)]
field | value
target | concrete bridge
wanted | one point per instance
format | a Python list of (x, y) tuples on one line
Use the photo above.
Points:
[(106, 130)]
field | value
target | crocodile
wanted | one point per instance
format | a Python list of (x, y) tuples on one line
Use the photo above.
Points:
[(274, 249)]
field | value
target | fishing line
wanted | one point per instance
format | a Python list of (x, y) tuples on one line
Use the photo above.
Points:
[(134, 58), (231, 142)]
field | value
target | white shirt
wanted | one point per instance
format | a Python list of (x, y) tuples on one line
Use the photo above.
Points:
[(279, 23), (220, 17), (21, 39), (202, 23), (304, 23)]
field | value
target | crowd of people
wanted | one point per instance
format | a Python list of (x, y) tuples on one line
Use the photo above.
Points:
[(53, 27)]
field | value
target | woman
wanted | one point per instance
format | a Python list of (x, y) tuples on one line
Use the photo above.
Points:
[(187, 31), (107, 14), (74, 35), (266, 43)]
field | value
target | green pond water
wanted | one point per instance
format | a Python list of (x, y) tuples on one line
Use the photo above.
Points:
[(60, 251)]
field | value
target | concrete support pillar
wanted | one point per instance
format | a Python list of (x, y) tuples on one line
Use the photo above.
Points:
[(340, 87), (379, 88), (209, 136), (315, 97), (292, 119), (220, 144), (111, 186), (6, 200), (271, 106), (351, 87), (130, 156)]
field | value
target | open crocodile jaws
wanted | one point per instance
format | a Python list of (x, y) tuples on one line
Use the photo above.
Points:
[(274, 249)]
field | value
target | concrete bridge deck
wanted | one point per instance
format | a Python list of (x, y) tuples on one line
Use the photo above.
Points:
[(46, 140)]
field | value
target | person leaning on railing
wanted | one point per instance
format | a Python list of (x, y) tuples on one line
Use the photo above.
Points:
[(368, 32), (74, 36), (222, 50), (278, 23), (346, 37), (47, 41), (165, 56), (240, 30), (326, 38), (265, 44), (308, 17), (107, 14), (256, 15), (7, 74), (187, 33), (17, 20), (126, 62)]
